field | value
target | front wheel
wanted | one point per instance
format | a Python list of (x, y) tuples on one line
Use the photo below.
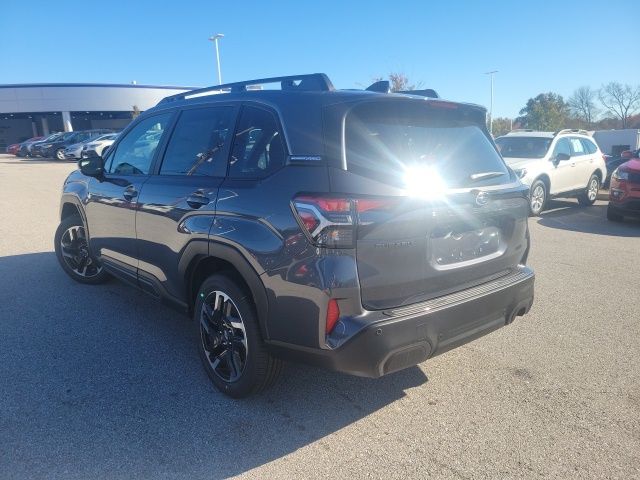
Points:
[(588, 197), (538, 197), (229, 341), (72, 249), (60, 154)]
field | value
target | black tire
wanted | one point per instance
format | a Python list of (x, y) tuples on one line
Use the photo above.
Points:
[(537, 203), (235, 359), (590, 194), (612, 215), (72, 251)]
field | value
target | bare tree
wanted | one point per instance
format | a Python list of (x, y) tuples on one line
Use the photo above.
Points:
[(582, 104), (621, 100), (400, 82)]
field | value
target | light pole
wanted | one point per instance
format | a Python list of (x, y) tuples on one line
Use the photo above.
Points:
[(491, 105), (214, 39)]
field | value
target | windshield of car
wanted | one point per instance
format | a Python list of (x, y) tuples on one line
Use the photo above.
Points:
[(109, 136), (523, 147), (389, 141)]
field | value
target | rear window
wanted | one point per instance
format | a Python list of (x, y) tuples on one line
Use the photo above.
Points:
[(523, 147), (388, 141)]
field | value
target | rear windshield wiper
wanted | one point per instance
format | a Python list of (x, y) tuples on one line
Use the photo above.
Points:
[(484, 175)]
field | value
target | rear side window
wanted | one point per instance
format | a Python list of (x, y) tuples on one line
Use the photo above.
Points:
[(198, 143), (386, 141), (589, 146), (576, 147), (258, 146)]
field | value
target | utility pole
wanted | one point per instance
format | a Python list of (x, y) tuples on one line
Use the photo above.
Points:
[(491, 73), (215, 39)]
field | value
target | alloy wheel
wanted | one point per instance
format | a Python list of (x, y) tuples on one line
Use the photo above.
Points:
[(75, 252), (592, 193), (60, 154), (537, 198), (223, 336)]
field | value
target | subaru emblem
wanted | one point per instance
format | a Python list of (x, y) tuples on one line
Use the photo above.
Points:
[(482, 199)]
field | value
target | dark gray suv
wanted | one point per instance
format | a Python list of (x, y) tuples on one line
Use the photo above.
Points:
[(363, 231)]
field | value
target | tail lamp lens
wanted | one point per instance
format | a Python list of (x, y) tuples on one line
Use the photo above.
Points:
[(333, 314), (331, 221), (327, 220)]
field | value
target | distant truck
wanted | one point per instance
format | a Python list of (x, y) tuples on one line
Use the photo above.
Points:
[(614, 142)]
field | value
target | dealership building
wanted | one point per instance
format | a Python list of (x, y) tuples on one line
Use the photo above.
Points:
[(39, 109)]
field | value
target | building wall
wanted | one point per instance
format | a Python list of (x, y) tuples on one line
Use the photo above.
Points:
[(38, 109), (96, 97)]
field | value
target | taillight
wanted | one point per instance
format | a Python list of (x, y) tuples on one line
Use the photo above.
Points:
[(331, 221), (333, 314)]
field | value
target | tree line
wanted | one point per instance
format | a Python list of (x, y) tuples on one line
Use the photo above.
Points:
[(614, 105)]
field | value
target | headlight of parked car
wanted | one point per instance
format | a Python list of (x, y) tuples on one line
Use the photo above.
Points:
[(620, 174)]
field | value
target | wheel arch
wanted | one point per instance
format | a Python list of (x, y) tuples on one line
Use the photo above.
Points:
[(544, 178), (227, 260)]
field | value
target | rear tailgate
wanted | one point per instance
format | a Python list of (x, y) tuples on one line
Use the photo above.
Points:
[(439, 209)]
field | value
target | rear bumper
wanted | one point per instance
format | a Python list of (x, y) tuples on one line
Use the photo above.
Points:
[(404, 337)]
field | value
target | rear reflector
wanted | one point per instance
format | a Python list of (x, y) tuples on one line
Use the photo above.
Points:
[(333, 314)]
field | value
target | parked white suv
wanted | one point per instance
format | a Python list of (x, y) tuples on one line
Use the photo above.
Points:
[(567, 163)]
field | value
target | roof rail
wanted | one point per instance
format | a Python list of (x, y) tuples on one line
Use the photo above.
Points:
[(522, 130), (572, 130), (313, 82)]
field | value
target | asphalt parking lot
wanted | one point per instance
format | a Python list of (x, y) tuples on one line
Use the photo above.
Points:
[(102, 382)]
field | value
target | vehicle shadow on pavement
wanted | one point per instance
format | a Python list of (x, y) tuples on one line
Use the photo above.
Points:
[(568, 215), (101, 381)]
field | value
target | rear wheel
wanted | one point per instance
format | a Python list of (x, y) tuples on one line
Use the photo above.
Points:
[(72, 249), (59, 154), (588, 197), (538, 197), (612, 215), (229, 341)]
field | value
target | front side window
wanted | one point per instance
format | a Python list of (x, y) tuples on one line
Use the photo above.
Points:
[(576, 147), (563, 146), (258, 146), (134, 154), (198, 142)]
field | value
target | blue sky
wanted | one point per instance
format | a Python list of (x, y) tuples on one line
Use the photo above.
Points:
[(447, 45)]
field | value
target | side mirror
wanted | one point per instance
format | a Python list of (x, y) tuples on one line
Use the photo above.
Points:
[(561, 157), (92, 166)]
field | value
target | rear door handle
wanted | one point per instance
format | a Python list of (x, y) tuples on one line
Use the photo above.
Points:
[(130, 193), (197, 199)]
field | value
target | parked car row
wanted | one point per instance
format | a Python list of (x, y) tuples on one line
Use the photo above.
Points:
[(66, 145), (567, 163), (624, 190)]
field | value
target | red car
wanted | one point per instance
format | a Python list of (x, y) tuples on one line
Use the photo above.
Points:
[(13, 149), (624, 191)]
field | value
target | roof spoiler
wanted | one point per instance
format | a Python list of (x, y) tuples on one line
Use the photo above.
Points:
[(314, 82), (383, 86)]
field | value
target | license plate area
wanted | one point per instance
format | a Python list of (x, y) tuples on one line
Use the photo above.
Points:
[(453, 247)]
